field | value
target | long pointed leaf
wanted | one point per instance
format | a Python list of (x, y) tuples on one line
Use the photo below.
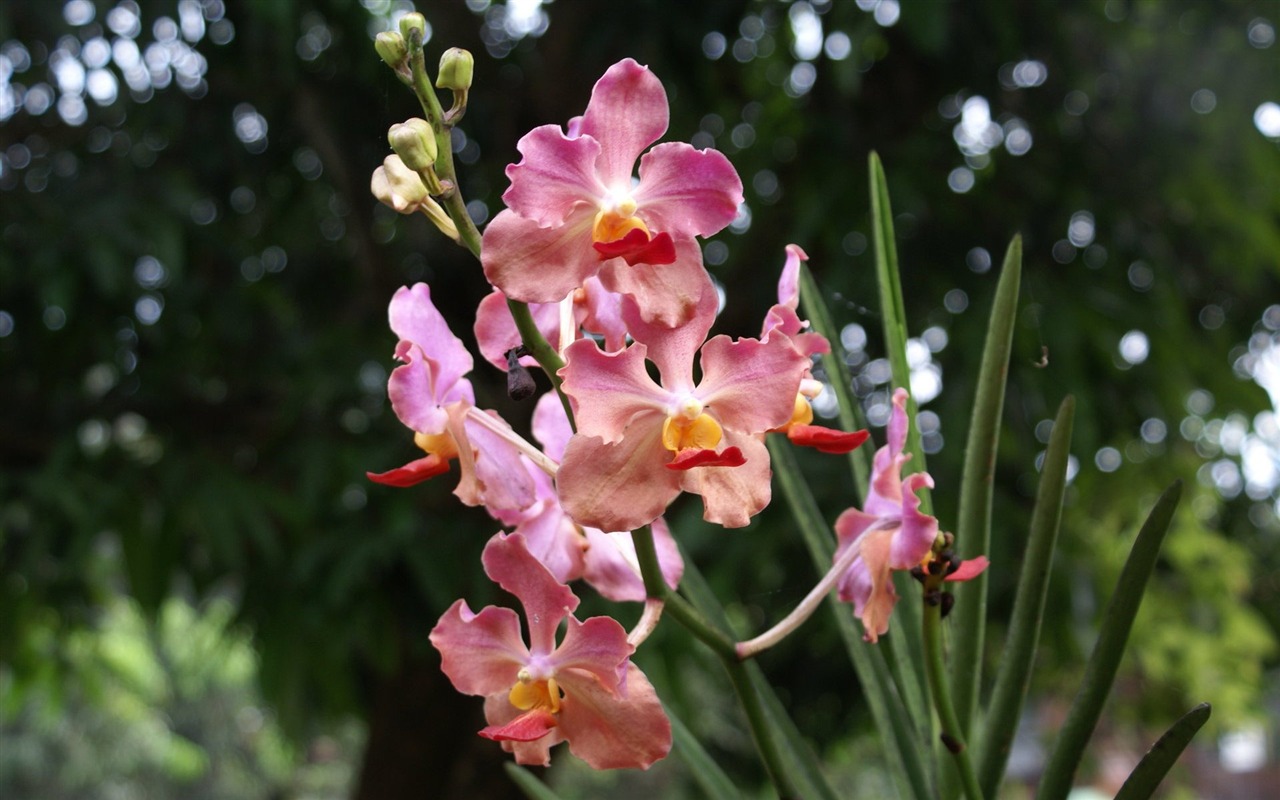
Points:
[(1144, 779), (528, 783), (714, 783), (906, 648), (887, 708), (1100, 672), (973, 528), (1019, 651), (851, 419)]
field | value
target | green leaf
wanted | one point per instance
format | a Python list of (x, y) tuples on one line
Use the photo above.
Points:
[(1019, 651), (528, 783), (713, 781), (1144, 779), (973, 526), (887, 707), (1100, 672)]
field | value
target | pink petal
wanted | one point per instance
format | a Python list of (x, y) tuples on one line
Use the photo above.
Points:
[(480, 653), (610, 732), (731, 497), (686, 192), (508, 562), (598, 646), (969, 569), (556, 174), (750, 385), (666, 295), (551, 425), (539, 265), (554, 540), (691, 459), (611, 568), (617, 487), (496, 331), (414, 318), (412, 473), (627, 113), (499, 712), (611, 390), (915, 538), (826, 440), (528, 727), (637, 248), (412, 391), (604, 314), (672, 349), (502, 481), (789, 283), (898, 423)]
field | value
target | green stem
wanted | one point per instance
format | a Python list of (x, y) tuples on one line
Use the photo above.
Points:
[(542, 352), (952, 734)]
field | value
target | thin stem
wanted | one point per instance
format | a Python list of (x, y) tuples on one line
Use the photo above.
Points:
[(542, 352), (647, 622), (805, 608), (951, 734)]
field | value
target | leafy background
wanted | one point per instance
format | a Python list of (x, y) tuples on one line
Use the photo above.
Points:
[(193, 354)]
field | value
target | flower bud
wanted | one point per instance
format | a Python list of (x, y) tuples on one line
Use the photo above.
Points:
[(415, 142), (413, 22), (397, 186), (392, 48), (456, 67)]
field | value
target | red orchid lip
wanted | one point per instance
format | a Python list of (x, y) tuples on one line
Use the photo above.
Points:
[(637, 248), (688, 459), (826, 440)]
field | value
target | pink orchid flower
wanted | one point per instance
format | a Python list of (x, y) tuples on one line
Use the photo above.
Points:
[(640, 442), (432, 397), (573, 210), (584, 691), (890, 532), (782, 318)]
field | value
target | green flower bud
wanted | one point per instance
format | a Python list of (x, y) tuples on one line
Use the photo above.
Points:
[(456, 66), (415, 142), (413, 22), (391, 46)]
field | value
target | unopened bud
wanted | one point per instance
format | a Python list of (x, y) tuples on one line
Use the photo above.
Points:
[(390, 45), (456, 68), (413, 22), (397, 186), (415, 142)]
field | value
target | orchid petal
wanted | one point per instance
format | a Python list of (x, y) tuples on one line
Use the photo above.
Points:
[(414, 472), (686, 191), (508, 562), (496, 330), (500, 713), (638, 248), (691, 459), (611, 732), (556, 174), (789, 282), (415, 318), (617, 487), (969, 569), (604, 314), (731, 497), (530, 726), (554, 540), (411, 389), (539, 265), (751, 385), (611, 390), (480, 653), (627, 113), (914, 539), (826, 440), (611, 567), (666, 295), (597, 646), (502, 479), (551, 426)]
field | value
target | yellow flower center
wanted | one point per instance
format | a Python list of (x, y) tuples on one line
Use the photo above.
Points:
[(616, 221), (802, 414), (700, 433), (529, 694), (437, 444)]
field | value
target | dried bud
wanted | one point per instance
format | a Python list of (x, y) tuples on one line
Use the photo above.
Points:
[(520, 385), (390, 45), (413, 22), (415, 142), (456, 67), (395, 185)]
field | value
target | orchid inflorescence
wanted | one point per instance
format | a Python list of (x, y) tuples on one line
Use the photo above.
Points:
[(598, 279)]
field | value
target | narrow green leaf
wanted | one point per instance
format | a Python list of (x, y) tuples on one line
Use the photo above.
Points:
[(528, 783), (851, 419), (1100, 672), (714, 783), (1144, 779), (1019, 651), (906, 647), (973, 526), (887, 708)]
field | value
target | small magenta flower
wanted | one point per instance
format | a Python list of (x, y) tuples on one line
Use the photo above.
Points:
[(890, 532), (573, 209), (584, 690)]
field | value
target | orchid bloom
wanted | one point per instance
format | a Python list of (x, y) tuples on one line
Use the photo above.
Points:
[(573, 210), (890, 532), (640, 442), (432, 397), (584, 691), (590, 308), (783, 319)]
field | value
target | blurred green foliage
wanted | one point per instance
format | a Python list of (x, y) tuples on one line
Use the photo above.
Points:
[(202, 428)]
